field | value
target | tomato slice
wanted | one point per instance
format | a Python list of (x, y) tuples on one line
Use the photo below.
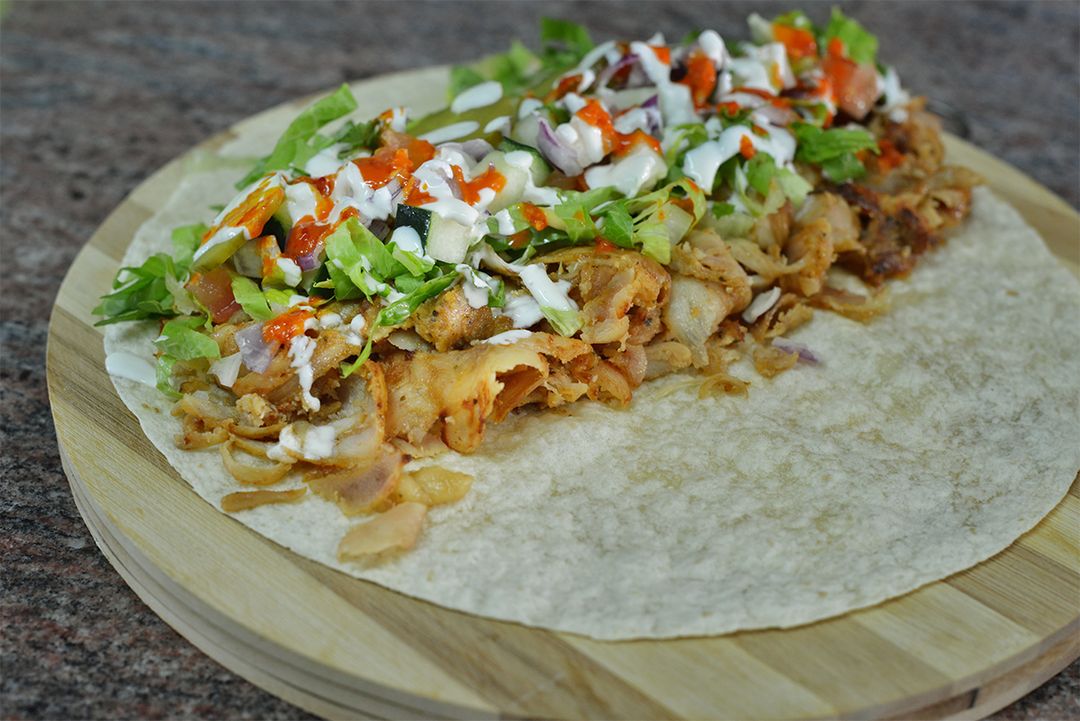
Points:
[(854, 85), (214, 291)]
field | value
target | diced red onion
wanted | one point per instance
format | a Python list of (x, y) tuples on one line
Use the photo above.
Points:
[(309, 261), (654, 116), (789, 346), (255, 352), (558, 153)]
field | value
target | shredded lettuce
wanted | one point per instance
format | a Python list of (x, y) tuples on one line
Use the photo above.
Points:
[(416, 265), (185, 241), (618, 225), (719, 210), (566, 322), (817, 145), (277, 297), (652, 236), (578, 223), (860, 45), (140, 292), (834, 149), (496, 293), (163, 372), (565, 42), (462, 77), (515, 70), (762, 171), (301, 140), (407, 283), (150, 290), (358, 261), (250, 297), (180, 339)]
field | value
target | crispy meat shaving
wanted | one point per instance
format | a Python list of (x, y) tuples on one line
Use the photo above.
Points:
[(360, 489), (255, 475), (433, 486), (397, 528), (621, 292), (246, 500), (448, 322), (704, 255), (455, 394)]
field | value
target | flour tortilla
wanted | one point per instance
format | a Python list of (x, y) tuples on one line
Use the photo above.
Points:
[(926, 441)]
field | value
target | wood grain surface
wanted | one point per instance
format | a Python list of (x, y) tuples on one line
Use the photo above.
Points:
[(962, 647)]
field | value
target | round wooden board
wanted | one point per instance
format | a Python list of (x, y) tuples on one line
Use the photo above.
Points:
[(339, 647)]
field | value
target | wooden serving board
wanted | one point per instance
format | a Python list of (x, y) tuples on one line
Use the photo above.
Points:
[(958, 648)]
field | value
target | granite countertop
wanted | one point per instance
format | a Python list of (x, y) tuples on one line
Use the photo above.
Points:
[(95, 96)]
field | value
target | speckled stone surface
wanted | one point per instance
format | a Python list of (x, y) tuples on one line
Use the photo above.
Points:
[(95, 96)]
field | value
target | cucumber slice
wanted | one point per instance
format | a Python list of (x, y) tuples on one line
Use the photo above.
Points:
[(540, 169), (442, 239), (218, 248), (447, 240), (516, 179), (416, 218)]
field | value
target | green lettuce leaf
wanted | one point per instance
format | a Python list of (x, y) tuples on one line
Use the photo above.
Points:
[(719, 210), (834, 149), (566, 322), (618, 225), (762, 171), (516, 70), (577, 222), (301, 141), (497, 294), (565, 42), (250, 297), (140, 292), (180, 339), (861, 46), (652, 236), (357, 136), (816, 145), (185, 241), (413, 263), (462, 77), (163, 372), (357, 260), (843, 168)]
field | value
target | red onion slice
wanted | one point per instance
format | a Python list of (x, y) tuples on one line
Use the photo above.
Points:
[(654, 116), (558, 153), (255, 352)]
